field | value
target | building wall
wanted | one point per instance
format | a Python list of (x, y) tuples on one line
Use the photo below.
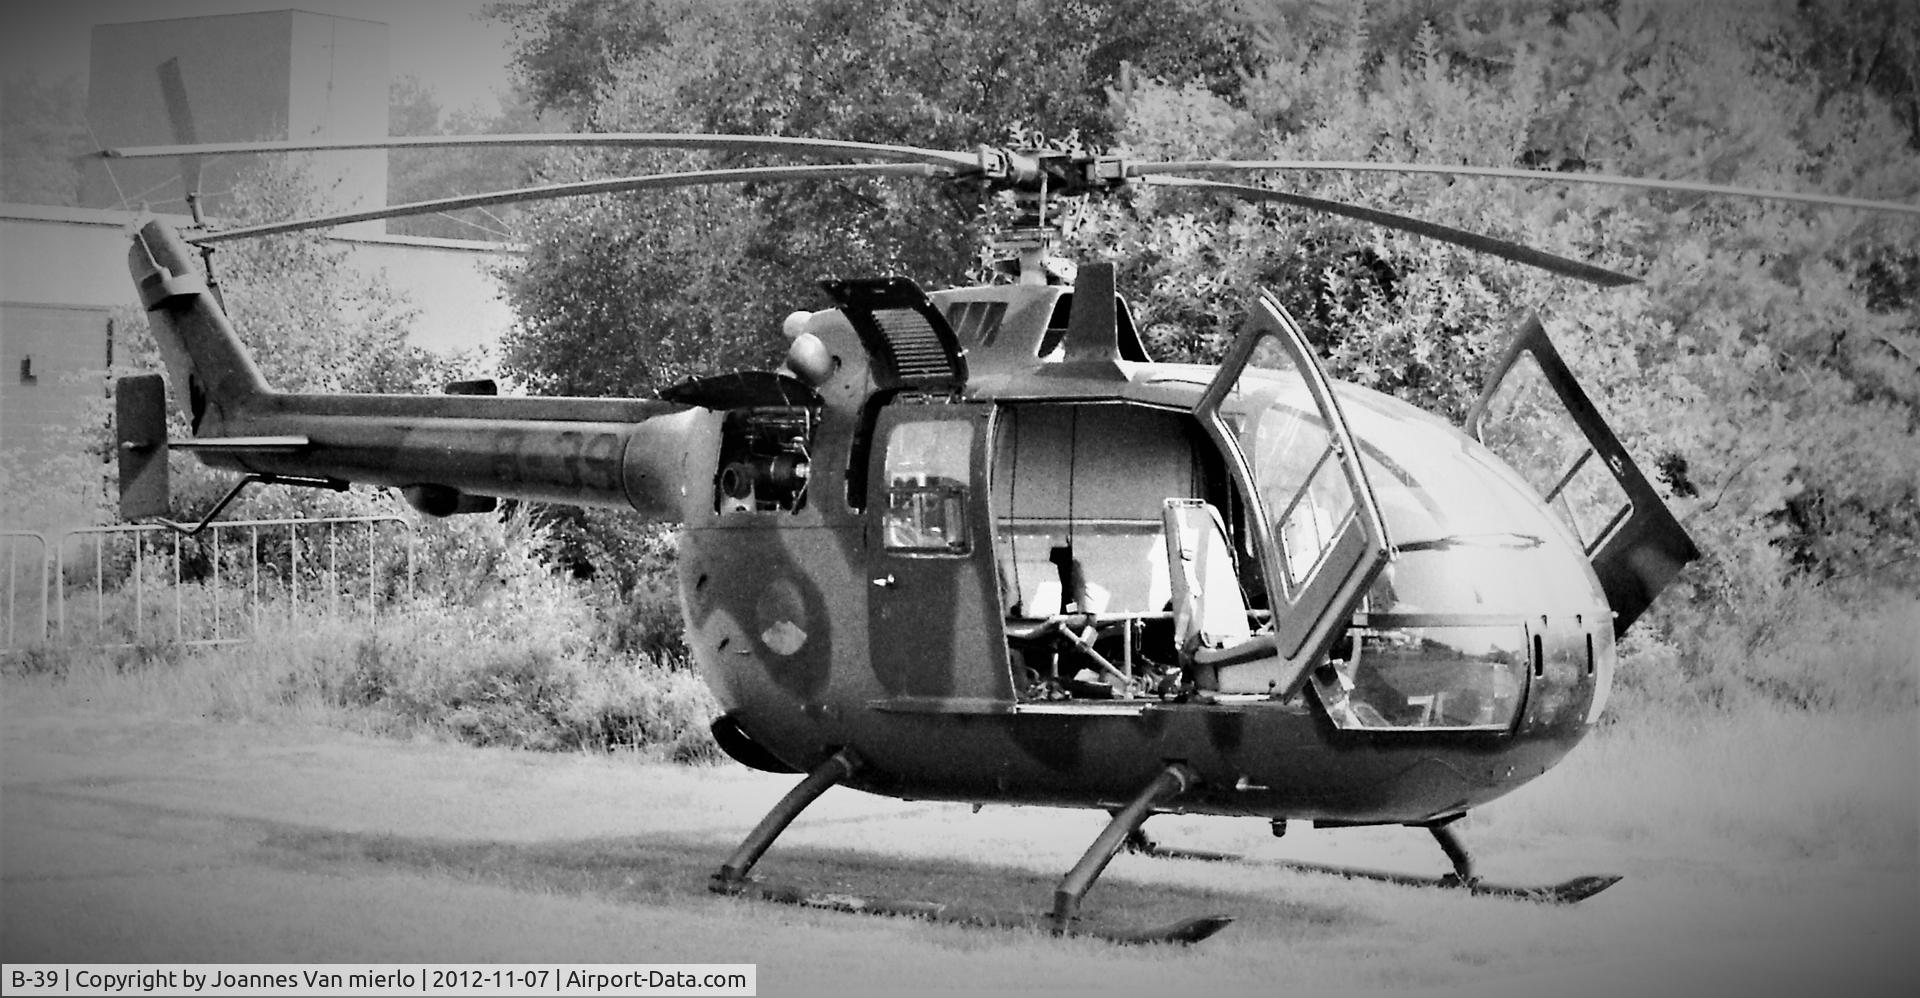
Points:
[(56, 300), (46, 354), (452, 282), (245, 77), (338, 90)]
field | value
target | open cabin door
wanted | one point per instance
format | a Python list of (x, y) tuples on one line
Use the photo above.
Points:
[(1312, 514), (1536, 417)]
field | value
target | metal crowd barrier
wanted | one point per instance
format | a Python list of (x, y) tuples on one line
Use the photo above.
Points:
[(117, 586), (24, 588)]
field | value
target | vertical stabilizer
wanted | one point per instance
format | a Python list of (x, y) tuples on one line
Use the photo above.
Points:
[(210, 369)]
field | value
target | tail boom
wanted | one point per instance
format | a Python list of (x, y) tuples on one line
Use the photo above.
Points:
[(624, 454), (621, 453)]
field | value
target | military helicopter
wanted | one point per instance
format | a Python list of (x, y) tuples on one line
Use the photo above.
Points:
[(976, 545)]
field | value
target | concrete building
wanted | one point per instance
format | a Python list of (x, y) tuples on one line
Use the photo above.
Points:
[(243, 77), (260, 77)]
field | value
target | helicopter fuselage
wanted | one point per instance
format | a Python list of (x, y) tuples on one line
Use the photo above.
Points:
[(980, 542), (884, 608)]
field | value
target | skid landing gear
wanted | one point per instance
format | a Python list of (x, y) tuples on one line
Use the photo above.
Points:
[(733, 876), (1463, 877)]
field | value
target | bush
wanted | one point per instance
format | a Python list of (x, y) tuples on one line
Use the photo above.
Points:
[(521, 678), (495, 649), (472, 675), (450, 669), (630, 565), (1800, 646)]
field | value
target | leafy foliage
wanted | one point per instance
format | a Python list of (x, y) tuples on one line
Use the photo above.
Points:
[(566, 50), (624, 294), (1765, 365), (425, 174), (345, 333)]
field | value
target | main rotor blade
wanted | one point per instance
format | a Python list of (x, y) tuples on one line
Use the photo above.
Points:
[(173, 93), (1504, 173), (1505, 249), (578, 188), (628, 140)]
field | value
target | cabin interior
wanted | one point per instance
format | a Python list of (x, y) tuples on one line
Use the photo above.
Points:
[(1079, 492)]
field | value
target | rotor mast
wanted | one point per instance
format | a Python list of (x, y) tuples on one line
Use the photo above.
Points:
[(1032, 177)]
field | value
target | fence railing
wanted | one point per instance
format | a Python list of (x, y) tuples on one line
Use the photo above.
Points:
[(120, 586), (23, 557)]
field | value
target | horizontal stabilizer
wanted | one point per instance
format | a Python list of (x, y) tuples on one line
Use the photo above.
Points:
[(257, 445)]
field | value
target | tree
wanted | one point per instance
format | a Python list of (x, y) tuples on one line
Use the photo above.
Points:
[(1872, 46), (424, 174), (565, 51), (1765, 365), (312, 322), (622, 294), (1764, 369)]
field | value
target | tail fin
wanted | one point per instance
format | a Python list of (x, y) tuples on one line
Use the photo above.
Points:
[(211, 370)]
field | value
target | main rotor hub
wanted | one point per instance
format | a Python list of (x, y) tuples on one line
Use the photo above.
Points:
[(1057, 172), (1022, 250)]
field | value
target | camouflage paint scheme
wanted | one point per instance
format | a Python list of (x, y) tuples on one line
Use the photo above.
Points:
[(929, 706), (815, 638)]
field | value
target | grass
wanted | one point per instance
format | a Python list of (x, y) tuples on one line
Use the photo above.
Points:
[(467, 674), (1827, 770), (537, 862), (1782, 783), (1758, 837)]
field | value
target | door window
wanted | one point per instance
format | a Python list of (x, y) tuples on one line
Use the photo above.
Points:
[(1537, 417), (1527, 425), (1301, 486), (927, 466), (1313, 517)]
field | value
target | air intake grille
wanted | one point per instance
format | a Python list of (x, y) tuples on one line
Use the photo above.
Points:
[(917, 350), (907, 339)]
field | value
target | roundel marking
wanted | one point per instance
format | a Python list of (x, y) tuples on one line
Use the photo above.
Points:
[(781, 618)]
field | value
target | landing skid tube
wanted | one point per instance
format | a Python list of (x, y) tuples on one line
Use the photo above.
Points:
[(1462, 878), (1190, 930), (1566, 892), (733, 877)]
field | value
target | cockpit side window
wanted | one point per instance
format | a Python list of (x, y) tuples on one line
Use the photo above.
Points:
[(927, 474), (1305, 493)]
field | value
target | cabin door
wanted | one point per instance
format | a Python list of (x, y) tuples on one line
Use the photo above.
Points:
[(1310, 508), (1536, 417), (934, 619)]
